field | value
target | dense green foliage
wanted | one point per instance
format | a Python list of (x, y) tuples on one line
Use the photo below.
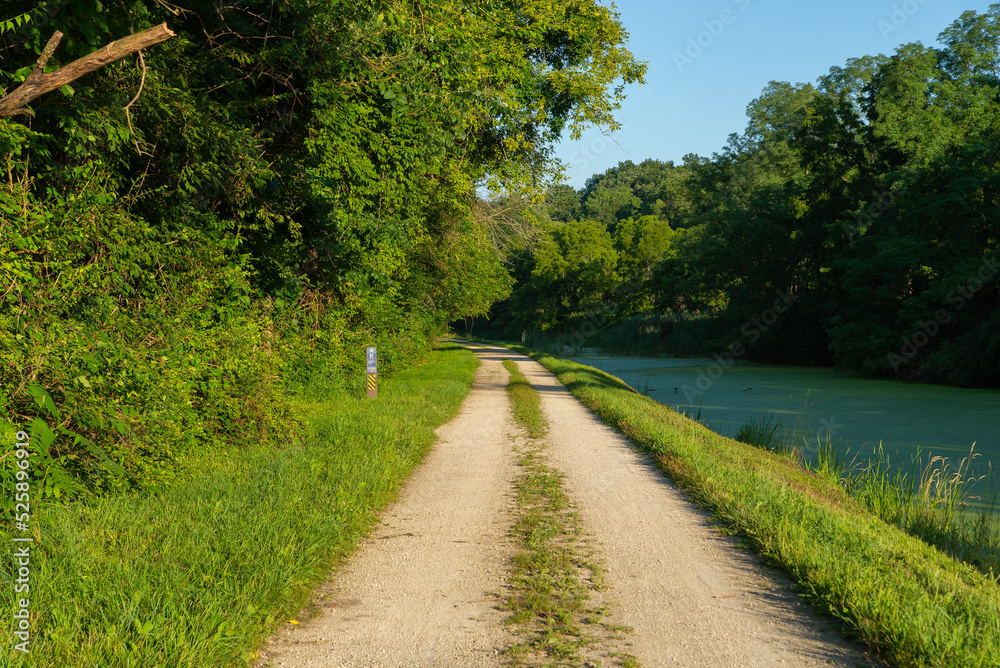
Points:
[(248, 204), (200, 574), (854, 222)]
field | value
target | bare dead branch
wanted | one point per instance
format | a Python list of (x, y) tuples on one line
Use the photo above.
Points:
[(128, 115), (39, 82), (508, 224)]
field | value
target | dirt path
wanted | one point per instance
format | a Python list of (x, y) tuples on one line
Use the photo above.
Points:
[(423, 589), (692, 596)]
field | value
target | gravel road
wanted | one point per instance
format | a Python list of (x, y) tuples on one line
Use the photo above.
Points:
[(692, 596), (424, 589)]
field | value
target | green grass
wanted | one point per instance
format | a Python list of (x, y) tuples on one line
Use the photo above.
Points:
[(914, 604), (525, 403), (200, 574), (555, 571), (763, 431), (931, 501)]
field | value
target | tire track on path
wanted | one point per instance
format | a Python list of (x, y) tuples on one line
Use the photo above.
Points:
[(424, 590), (692, 597)]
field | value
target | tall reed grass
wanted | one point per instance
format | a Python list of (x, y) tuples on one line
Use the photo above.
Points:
[(763, 431), (942, 504)]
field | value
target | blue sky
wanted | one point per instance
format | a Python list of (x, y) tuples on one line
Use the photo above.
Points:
[(709, 59)]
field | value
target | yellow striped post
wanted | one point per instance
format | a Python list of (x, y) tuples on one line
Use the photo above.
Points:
[(371, 367)]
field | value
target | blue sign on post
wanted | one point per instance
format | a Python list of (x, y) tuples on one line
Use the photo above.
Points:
[(371, 368)]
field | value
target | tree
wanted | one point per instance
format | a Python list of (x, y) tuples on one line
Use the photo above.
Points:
[(607, 206), (562, 204), (650, 188), (868, 201), (641, 244), (39, 82), (573, 270), (295, 180)]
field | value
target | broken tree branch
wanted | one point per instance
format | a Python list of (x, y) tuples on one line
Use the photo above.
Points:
[(39, 82), (128, 116)]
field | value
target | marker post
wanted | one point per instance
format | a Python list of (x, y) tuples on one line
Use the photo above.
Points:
[(371, 368)]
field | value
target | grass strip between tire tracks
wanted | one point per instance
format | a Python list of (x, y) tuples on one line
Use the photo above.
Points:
[(556, 571), (200, 574), (915, 605)]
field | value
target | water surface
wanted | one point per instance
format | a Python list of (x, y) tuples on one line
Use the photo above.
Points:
[(858, 410)]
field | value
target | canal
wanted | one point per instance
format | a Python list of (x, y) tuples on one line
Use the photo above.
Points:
[(857, 411)]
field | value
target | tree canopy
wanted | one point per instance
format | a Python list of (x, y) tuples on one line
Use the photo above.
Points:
[(869, 200), (187, 231)]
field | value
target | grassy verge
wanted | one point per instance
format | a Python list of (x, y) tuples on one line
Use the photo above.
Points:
[(917, 606), (199, 574), (932, 501), (556, 572)]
